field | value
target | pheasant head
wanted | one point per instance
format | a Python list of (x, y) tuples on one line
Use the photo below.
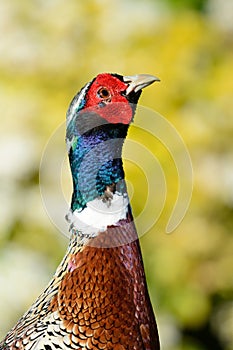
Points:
[(97, 123)]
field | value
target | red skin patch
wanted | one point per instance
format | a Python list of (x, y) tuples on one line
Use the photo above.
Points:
[(115, 108)]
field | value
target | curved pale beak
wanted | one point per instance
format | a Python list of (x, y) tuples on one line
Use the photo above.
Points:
[(138, 82)]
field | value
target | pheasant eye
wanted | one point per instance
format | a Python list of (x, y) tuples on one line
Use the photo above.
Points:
[(104, 93)]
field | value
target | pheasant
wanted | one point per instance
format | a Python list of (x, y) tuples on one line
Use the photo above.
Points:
[(98, 297)]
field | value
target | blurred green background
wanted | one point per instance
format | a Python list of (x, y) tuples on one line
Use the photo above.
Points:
[(48, 50)]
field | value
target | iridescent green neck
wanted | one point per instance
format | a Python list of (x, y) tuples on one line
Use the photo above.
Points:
[(95, 161)]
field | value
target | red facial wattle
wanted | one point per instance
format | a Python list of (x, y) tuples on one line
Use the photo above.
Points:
[(105, 97)]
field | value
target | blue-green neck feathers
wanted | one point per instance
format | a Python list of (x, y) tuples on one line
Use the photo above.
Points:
[(95, 157)]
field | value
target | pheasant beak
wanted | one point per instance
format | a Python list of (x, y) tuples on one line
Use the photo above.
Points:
[(138, 82)]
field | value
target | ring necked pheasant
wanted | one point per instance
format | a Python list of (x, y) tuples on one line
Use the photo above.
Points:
[(98, 297)]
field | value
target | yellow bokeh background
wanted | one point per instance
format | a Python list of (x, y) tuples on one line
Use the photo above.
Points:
[(48, 51)]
